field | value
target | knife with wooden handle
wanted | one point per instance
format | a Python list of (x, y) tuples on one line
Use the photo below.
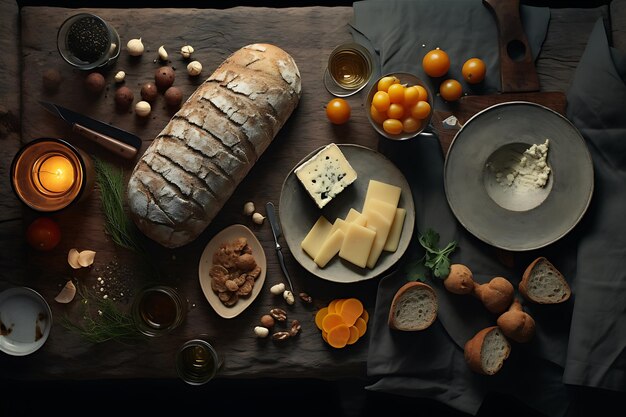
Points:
[(114, 139)]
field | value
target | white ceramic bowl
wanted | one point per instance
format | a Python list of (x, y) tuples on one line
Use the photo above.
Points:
[(25, 320)]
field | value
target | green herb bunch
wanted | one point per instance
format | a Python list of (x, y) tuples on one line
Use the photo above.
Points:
[(435, 261), (102, 320)]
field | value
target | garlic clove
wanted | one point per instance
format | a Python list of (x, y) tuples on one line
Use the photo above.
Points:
[(86, 258), (72, 258), (162, 53), (258, 218), (248, 208), (289, 298), (67, 294), (135, 47)]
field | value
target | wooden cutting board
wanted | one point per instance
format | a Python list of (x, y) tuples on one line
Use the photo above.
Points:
[(518, 76)]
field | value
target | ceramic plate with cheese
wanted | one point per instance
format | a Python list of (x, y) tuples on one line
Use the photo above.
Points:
[(344, 231)]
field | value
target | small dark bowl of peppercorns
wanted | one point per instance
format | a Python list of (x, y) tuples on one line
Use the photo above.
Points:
[(86, 42)]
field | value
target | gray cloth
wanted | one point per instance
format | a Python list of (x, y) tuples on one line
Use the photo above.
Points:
[(578, 342), (400, 33), (596, 354)]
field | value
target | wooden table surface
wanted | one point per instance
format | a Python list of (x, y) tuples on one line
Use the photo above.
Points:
[(308, 34)]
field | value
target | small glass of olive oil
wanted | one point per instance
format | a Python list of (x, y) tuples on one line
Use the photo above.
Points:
[(197, 362), (349, 69), (158, 309)]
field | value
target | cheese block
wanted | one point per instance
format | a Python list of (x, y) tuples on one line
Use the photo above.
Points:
[(357, 244), (393, 239), (330, 248), (314, 240), (326, 174), (382, 191)]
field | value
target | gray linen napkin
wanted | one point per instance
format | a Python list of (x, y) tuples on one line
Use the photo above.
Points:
[(430, 364), (596, 354)]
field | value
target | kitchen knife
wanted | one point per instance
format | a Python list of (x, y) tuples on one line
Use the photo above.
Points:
[(121, 142), (277, 232)]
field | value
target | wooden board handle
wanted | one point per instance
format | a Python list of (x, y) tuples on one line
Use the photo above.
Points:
[(517, 69)]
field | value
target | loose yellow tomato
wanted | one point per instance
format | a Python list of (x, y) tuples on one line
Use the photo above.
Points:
[(377, 116), (385, 82), (474, 70), (436, 63), (421, 110), (451, 90), (396, 93), (392, 126), (381, 101), (338, 111), (396, 111)]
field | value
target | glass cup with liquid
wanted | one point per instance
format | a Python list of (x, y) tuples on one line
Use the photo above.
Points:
[(158, 309), (349, 69), (198, 362)]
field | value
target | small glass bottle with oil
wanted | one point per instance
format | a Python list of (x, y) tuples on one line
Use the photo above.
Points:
[(197, 362)]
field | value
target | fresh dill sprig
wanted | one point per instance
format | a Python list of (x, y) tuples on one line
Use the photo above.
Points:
[(102, 320), (118, 225)]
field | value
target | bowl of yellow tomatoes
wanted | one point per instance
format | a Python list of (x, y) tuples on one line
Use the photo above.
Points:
[(399, 106)]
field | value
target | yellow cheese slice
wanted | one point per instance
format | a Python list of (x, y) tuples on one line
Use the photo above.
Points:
[(382, 225), (361, 220), (313, 241), (393, 239), (330, 248), (357, 244), (386, 209), (382, 191), (352, 214)]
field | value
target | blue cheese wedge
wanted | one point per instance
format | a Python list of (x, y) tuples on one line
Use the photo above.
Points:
[(326, 174)]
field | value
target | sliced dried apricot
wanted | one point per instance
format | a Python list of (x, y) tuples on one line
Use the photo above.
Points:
[(365, 316), (319, 316), (338, 336), (361, 325), (330, 321), (354, 335), (351, 309), (332, 306)]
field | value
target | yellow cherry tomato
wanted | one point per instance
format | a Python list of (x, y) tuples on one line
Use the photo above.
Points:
[(411, 124), (396, 93), (392, 126), (421, 110), (436, 63), (396, 111), (451, 90), (377, 116), (338, 111), (474, 70), (411, 95), (423, 93), (385, 82), (381, 101)]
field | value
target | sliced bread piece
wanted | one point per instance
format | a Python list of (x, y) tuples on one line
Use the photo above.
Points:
[(486, 352), (542, 283), (414, 307)]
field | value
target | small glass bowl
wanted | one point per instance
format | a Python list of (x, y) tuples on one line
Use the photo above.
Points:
[(157, 310), (407, 79), (86, 42), (198, 362)]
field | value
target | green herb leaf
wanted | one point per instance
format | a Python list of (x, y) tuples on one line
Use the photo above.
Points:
[(435, 260)]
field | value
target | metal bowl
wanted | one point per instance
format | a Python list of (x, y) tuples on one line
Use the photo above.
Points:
[(408, 79)]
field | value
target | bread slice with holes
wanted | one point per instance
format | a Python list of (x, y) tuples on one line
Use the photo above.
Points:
[(414, 307), (543, 283), (486, 352)]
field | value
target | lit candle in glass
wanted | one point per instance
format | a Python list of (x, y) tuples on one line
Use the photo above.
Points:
[(56, 174), (49, 174)]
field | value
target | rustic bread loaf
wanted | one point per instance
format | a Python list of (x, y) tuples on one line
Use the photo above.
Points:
[(486, 352), (194, 165), (542, 283), (414, 307)]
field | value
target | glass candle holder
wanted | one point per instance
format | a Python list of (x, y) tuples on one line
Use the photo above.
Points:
[(198, 362), (86, 42), (157, 310), (49, 174)]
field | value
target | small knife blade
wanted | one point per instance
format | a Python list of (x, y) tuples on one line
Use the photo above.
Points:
[(121, 142), (277, 232)]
